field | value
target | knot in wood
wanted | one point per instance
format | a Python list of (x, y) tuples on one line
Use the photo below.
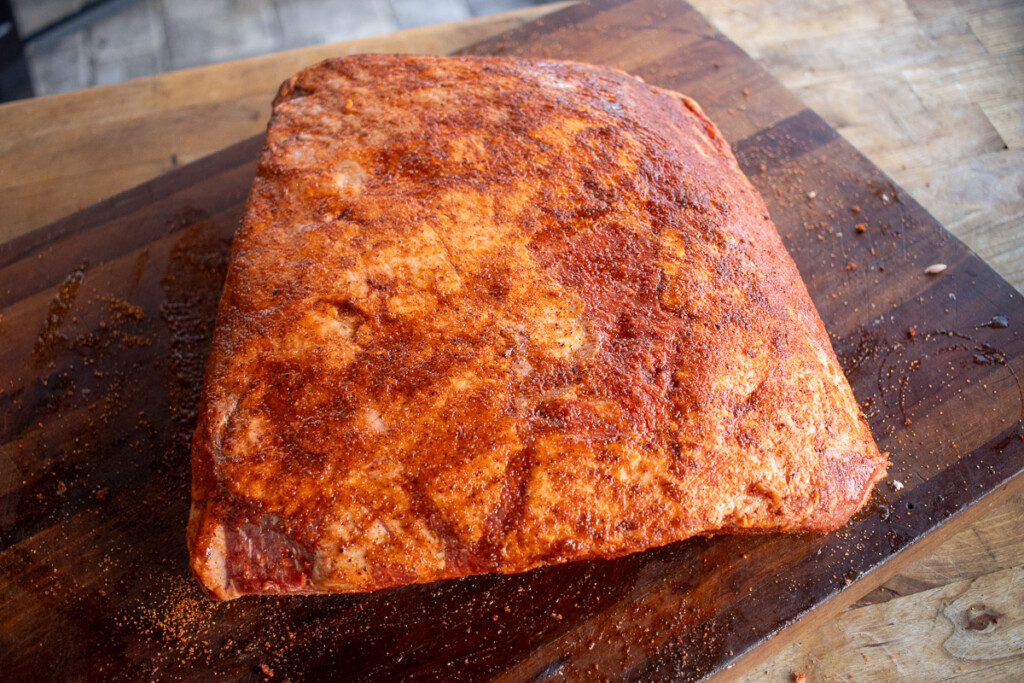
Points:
[(980, 617)]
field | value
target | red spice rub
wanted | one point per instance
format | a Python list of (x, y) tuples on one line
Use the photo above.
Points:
[(488, 314)]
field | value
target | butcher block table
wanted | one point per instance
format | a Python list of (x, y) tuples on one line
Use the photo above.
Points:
[(107, 311)]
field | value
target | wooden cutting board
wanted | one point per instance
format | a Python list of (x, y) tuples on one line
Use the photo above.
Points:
[(105, 324)]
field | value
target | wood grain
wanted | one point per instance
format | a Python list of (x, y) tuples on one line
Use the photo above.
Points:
[(926, 99), (129, 555), (976, 634), (77, 148), (913, 598), (930, 91)]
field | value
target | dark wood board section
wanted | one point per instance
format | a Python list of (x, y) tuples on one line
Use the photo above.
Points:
[(106, 318)]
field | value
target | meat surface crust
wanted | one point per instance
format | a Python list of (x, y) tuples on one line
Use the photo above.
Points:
[(488, 314)]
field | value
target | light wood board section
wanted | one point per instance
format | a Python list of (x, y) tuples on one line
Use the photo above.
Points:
[(64, 152), (932, 92)]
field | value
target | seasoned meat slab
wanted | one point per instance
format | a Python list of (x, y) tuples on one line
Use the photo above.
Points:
[(489, 314)]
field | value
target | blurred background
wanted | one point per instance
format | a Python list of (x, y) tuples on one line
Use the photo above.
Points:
[(51, 46)]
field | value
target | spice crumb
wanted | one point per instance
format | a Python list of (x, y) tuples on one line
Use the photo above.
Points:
[(861, 227)]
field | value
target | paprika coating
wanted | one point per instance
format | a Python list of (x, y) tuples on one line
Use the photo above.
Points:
[(488, 314)]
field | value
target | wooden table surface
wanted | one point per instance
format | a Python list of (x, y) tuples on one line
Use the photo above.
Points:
[(931, 90)]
